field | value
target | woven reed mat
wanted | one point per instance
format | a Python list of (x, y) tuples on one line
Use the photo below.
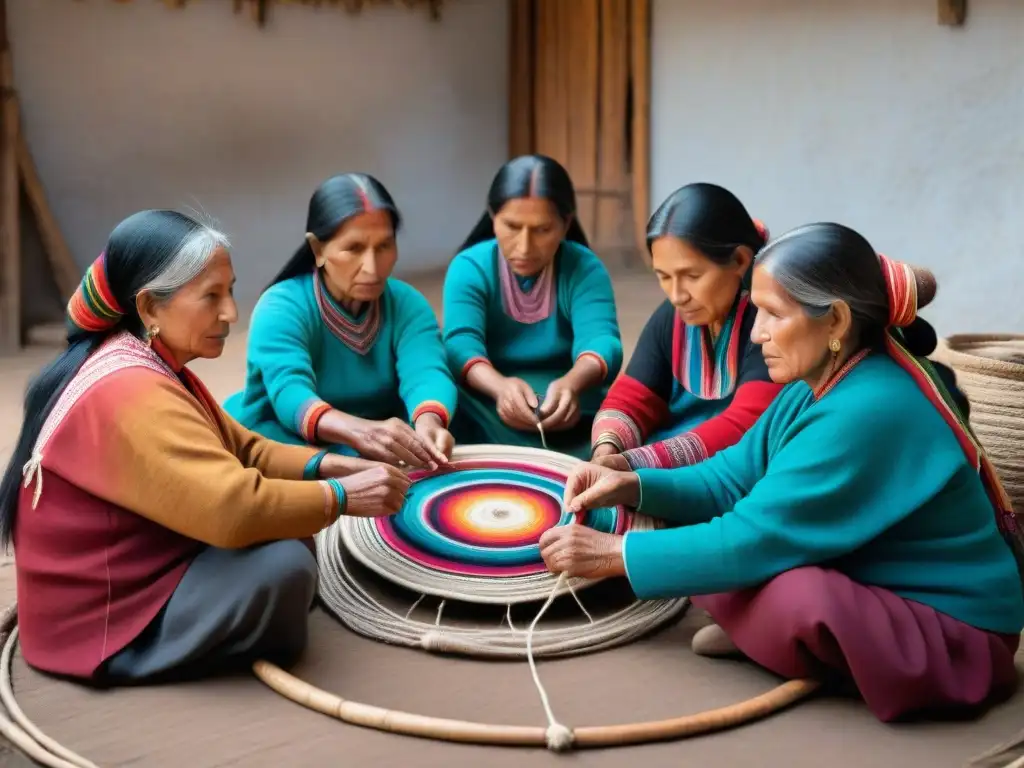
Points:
[(990, 371), (239, 722)]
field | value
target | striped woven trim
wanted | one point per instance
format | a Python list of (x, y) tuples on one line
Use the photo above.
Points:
[(435, 407), (617, 428), (93, 307), (709, 369), (471, 362), (930, 383), (312, 469), (679, 451), (684, 450), (644, 457), (357, 335), (309, 417), (901, 284), (119, 352), (335, 500), (598, 358)]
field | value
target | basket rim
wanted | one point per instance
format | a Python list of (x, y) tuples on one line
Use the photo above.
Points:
[(954, 352)]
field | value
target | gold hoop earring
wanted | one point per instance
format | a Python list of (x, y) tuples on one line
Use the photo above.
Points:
[(835, 345), (151, 333)]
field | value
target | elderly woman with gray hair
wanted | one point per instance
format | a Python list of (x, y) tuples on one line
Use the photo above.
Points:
[(153, 533), (857, 532)]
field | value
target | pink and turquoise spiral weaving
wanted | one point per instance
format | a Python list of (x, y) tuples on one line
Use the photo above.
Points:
[(484, 518), (470, 531)]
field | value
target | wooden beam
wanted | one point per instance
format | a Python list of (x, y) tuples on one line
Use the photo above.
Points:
[(520, 72), (10, 224), (640, 67), (65, 271), (952, 13)]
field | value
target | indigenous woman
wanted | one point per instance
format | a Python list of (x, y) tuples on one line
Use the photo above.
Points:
[(529, 316), (153, 533), (341, 353), (695, 382), (857, 532)]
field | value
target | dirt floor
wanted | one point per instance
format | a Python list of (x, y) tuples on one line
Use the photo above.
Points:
[(238, 721)]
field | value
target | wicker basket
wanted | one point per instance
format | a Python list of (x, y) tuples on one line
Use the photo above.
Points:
[(990, 371)]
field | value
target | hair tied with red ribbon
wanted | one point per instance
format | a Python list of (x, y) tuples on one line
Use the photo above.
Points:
[(93, 307), (762, 230), (901, 286)]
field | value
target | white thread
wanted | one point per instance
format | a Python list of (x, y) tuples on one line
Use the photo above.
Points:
[(434, 642), (559, 736), (543, 441), (356, 607), (413, 607), (352, 539)]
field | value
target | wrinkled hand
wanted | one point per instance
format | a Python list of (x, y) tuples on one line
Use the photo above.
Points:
[(591, 486), (602, 450), (614, 461), (393, 441), (516, 404), (561, 407), (581, 551), (336, 465), (430, 428), (375, 492)]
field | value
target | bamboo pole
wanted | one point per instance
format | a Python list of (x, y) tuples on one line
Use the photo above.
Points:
[(10, 232), (408, 724)]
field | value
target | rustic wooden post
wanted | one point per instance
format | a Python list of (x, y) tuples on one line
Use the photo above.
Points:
[(640, 28), (952, 13), (10, 234)]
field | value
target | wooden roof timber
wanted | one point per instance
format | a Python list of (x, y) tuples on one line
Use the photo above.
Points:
[(952, 13), (260, 9)]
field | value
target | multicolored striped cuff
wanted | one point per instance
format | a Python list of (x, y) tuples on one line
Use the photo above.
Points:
[(679, 451), (335, 501), (434, 407), (615, 427), (312, 470), (600, 361), (309, 417), (644, 457), (471, 362)]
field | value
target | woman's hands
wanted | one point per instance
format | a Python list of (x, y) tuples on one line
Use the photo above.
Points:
[(516, 403), (561, 408), (603, 449), (375, 492), (335, 465), (577, 549), (433, 431), (390, 441), (614, 461), (581, 551), (591, 486)]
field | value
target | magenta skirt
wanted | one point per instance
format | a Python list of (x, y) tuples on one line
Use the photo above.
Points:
[(905, 658)]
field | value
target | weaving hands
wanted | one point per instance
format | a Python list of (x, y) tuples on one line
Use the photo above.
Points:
[(889, 558), (392, 441), (578, 550)]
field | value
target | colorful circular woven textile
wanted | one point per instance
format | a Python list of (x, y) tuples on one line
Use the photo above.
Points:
[(470, 532)]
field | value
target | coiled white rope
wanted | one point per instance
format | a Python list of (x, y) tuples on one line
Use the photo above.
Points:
[(343, 596)]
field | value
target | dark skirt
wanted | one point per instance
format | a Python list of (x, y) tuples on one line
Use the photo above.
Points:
[(905, 658), (231, 607)]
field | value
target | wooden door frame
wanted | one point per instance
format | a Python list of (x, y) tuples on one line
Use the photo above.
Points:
[(520, 99)]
